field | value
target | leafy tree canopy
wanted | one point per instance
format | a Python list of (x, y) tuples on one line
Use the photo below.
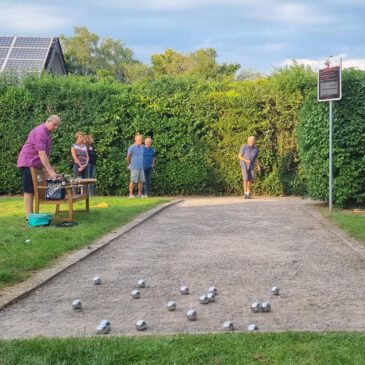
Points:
[(202, 62), (87, 53)]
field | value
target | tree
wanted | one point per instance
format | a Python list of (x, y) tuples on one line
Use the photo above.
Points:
[(80, 51), (88, 54), (170, 63), (136, 71), (249, 75), (201, 63)]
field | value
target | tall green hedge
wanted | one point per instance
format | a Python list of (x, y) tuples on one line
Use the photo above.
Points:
[(197, 127), (268, 109), (348, 141)]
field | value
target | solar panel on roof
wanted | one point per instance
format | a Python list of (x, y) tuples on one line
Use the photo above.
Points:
[(29, 53), (32, 42), (6, 41), (26, 53), (24, 65), (4, 52)]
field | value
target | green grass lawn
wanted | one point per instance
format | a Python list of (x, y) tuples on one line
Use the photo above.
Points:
[(346, 219), (229, 348), (19, 259)]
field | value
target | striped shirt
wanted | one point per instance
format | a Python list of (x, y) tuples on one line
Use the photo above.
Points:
[(81, 153)]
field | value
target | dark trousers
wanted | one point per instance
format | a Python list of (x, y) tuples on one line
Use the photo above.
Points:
[(91, 175), (148, 181), (79, 175)]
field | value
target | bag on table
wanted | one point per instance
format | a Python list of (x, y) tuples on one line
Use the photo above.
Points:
[(54, 190)]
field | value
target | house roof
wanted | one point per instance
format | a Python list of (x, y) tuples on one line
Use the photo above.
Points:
[(30, 54)]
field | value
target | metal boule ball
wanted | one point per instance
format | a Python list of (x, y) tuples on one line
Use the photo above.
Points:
[(136, 294), (141, 325), (171, 305), (252, 327), (184, 290), (192, 315), (211, 296), (76, 304), (203, 299), (265, 307), (228, 326), (97, 280), (256, 307), (213, 290), (141, 283), (103, 327), (275, 290)]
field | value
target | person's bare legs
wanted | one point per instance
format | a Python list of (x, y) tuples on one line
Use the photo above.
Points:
[(131, 188), (140, 188), (245, 186), (248, 188), (28, 204)]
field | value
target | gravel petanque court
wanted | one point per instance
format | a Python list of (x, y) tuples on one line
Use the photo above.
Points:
[(243, 247)]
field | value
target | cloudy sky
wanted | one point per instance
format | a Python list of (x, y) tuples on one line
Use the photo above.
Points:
[(260, 35)]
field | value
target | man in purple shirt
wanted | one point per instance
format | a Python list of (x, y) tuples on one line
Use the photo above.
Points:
[(35, 153)]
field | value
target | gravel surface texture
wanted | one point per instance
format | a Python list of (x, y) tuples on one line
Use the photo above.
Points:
[(243, 247)]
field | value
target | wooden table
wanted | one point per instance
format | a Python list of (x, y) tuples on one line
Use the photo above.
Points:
[(79, 183), (40, 185), (83, 181)]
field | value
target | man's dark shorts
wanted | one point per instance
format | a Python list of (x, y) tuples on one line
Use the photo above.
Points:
[(27, 181)]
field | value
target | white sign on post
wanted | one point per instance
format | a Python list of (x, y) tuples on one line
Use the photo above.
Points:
[(330, 89), (329, 79)]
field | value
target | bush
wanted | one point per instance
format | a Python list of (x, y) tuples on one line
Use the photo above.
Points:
[(348, 141), (197, 127), (267, 109)]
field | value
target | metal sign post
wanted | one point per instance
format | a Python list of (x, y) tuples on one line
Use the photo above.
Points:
[(330, 178), (330, 89)]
